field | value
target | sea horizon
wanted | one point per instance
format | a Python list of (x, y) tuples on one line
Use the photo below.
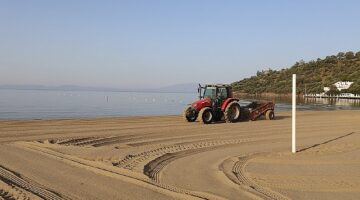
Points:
[(57, 104)]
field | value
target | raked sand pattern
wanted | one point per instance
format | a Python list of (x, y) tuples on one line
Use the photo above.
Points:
[(167, 158)]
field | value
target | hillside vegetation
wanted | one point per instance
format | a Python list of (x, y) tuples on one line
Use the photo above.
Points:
[(313, 75)]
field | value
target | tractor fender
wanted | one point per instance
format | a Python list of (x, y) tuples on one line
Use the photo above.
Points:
[(226, 102)]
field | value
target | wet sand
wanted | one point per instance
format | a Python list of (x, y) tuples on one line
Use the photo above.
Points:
[(167, 158)]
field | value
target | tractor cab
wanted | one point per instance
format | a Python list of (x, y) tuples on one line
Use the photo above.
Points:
[(213, 92)]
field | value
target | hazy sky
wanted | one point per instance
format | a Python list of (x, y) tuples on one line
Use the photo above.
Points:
[(153, 43)]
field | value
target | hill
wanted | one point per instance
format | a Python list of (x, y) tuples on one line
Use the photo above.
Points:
[(313, 75)]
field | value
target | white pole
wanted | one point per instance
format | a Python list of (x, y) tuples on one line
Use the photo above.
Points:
[(293, 138)]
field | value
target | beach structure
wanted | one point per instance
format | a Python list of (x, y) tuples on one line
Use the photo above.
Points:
[(340, 85), (293, 114), (343, 85), (326, 89)]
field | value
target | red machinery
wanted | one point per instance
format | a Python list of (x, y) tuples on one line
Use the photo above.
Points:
[(258, 109), (216, 103)]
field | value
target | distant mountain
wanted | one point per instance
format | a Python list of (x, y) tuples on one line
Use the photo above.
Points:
[(312, 76), (179, 88), (62, 87)]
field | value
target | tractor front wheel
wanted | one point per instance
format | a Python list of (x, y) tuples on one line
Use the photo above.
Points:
[(190, 114), (232, 112), (206, 115)]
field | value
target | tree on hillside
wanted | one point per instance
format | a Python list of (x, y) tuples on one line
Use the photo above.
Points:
[(333, 91), (354, 88), (340, 54), (357, 54), (349, 55)]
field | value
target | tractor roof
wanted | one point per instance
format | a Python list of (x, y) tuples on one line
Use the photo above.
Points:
[(218, 85)]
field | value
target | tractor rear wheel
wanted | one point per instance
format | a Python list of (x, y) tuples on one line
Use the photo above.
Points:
[(232, 112), (190, 114), (206, 115), (270, 115)]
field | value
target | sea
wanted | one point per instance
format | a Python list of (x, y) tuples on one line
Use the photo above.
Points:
[(49, 104)]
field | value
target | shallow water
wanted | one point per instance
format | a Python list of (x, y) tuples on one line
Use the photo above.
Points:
[(41, 104)]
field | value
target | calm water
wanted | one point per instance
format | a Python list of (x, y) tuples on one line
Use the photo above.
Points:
[(40, 104)]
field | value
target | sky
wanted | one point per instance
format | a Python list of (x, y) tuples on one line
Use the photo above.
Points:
[(155, 43)]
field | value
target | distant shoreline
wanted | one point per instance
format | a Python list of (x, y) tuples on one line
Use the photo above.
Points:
[(96, 90), (176, 88), (263, 95), (288, 95)]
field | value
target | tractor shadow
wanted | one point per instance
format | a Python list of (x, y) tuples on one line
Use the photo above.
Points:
[(281, 117), (262, 118), (246, 118)]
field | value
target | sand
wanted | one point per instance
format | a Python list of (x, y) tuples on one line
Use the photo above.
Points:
[(167, 158)]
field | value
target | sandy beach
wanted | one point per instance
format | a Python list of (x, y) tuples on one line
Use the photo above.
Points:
[(167, 158)]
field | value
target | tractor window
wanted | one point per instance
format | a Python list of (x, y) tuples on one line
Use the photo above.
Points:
[(222, 93), (210, 92)]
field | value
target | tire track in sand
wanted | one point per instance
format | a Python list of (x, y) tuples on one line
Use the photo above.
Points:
[(115, 171), (131, 161), (154, 167), (234, 169), (10, 192), (14, 179), (4, 195)]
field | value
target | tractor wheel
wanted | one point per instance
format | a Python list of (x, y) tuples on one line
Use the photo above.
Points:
[(270, 115), (206, 115), (190, 114), (232, 112)]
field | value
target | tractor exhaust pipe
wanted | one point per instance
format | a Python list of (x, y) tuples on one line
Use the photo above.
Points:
[(199, 91)]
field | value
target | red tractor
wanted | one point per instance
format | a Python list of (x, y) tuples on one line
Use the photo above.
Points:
[(215, 103)]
